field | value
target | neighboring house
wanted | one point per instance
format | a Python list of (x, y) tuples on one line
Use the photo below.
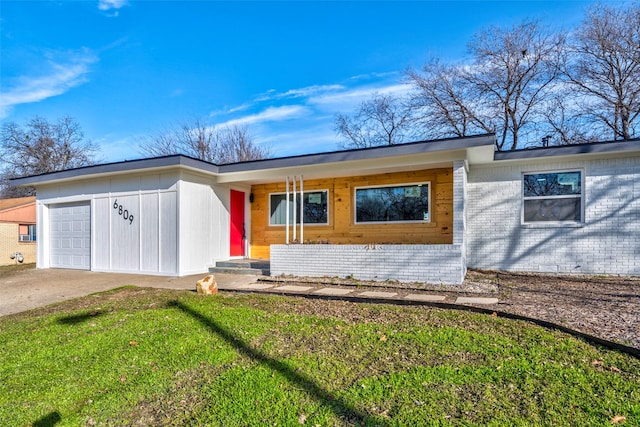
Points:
[(18, 230), (423, 211)]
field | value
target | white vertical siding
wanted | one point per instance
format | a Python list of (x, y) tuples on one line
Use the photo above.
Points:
[(221, 222), (196, 235), (149, 232), (168, 233), (125, 234), (101, 232)]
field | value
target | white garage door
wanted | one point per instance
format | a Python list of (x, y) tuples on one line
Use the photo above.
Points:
[(70, 236)]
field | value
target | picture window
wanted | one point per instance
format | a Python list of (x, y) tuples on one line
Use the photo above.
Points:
[(393, 203)]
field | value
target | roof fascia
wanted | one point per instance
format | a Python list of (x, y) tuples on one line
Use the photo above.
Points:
[(601, 149), (383, 152), (332, 167), (422, 152), (119, 168)]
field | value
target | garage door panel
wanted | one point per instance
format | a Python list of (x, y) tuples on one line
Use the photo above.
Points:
[(70, 236)]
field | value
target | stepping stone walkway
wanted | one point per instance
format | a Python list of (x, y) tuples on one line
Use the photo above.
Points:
[(374, 294), (293, 288), (254, 286), (426, 298), (336, 291), (333, 291), (476, 300)]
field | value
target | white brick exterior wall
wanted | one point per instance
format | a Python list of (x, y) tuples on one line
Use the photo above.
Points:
[(608, 242), (402, 263), (459, 212)]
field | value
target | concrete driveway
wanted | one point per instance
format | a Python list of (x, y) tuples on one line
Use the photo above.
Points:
[(31, 288)]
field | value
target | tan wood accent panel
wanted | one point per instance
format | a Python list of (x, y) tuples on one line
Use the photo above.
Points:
[(342, 229)]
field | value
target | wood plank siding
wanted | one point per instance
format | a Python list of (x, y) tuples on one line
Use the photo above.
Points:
[(342, 228)]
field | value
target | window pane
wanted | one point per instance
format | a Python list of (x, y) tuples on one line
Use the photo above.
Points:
[(552, 184), (565, 209), (389, 204), (279, 209), (315, 208)]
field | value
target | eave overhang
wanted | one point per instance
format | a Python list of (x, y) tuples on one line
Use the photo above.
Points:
[(571, 152), (401, 157)]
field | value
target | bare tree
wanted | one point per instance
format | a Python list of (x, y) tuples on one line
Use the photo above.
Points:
[(443, 104), (501, 90), (235, 145), (41, 147), (381, 120), (513, 72), (205, 142), (603, 65), (564, 122)]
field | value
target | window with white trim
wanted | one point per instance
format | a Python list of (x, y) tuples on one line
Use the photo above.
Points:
[(552, 197), (393, 203), (315, 208), (27, 233)]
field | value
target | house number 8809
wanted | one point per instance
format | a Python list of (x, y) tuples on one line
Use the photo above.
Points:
[(123, 212)]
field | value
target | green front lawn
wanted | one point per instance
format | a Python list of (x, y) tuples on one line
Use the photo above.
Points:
[(155, 357)]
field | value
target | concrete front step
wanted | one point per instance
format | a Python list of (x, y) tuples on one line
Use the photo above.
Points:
[(233, 270), (242, 266)]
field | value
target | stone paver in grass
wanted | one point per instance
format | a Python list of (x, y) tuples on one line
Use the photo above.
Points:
[(375, 294), (427, 298), (333, 291), (476, 300), (253, 286), (293, 288)]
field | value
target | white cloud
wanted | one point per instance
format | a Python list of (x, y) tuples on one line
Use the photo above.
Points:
[(349, 99), (313, 138), (310, 90), (271, 114), (107, 5), (303, 92), (60, 76)]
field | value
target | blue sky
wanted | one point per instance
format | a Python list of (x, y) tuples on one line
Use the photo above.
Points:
[(126, 69)]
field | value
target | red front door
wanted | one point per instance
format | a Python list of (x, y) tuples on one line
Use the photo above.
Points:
[(237, 232)]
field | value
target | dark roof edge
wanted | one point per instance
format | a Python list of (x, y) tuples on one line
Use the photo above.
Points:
[(570, 150), (125, 166), (456, 143)]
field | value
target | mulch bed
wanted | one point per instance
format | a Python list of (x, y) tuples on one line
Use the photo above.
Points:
[(605, 307)]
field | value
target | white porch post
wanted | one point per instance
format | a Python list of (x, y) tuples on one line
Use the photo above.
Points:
[(294, 208), (286, 240), (301, 210)]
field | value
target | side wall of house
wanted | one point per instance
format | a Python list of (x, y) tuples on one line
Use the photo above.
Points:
[(9, 244), (608, 241), (204, 223), (342, 228)]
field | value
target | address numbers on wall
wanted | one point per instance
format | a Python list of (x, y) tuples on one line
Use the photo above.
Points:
[(124, 213)]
